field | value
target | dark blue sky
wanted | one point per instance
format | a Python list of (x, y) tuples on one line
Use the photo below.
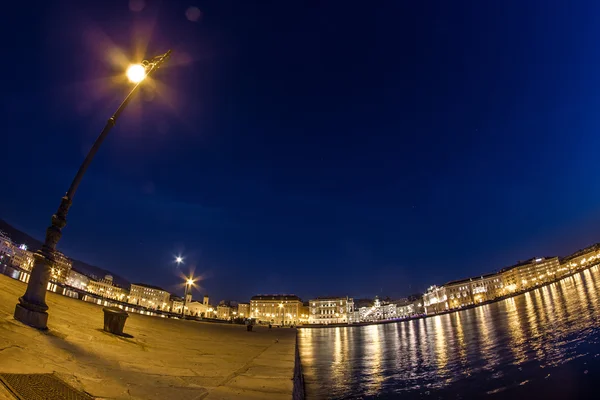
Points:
[(308, 147)]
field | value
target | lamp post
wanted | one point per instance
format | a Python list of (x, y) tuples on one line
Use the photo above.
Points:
[(32, 308), (188, 285)]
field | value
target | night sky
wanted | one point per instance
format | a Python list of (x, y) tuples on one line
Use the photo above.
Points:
[(307, 147)]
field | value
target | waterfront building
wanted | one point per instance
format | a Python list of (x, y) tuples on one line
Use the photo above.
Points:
[(77, 280), (243, 310), (198, 309), (354, 317), (459, 293), (580, 259), (389, 311), (406, 308), (60, 268), (7, 248), (375, 312), (304, 313), (224, 311), (175, 304), (276, 308), (435, 299), (527, 274), (487, 287), (330, 310), (22, 258), (106, 288), (149, 296)]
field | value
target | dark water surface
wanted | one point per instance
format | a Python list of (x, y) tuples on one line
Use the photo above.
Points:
[(544, 344)]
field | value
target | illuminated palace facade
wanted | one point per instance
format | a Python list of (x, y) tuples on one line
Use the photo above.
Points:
[(278, 309), (330, 310), (149, 296), (104, 288)]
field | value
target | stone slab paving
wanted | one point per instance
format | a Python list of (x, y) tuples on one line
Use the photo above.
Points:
[(165, 358)]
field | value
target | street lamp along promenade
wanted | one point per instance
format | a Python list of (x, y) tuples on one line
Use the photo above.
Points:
[(32, 308), (189, 282)]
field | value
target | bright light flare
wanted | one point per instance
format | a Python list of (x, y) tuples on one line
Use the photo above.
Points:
[(136, 73), (190, 281), (178, 259)]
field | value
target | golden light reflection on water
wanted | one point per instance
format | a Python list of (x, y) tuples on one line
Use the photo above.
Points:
[(412, 346), (373, 358), (462, 344), (440, 345), (488, 339), (500, 342), (515, 330)]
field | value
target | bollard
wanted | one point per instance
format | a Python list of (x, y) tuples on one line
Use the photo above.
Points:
[(114, 320)]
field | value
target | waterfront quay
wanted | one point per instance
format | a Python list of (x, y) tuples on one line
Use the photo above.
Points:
[(159, 358)]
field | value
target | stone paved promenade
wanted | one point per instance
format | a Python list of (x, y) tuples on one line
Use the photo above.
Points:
[(165, 359)]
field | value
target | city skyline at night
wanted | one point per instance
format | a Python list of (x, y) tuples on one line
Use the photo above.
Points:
[(369, 150)]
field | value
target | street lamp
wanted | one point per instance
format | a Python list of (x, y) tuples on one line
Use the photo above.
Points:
[(189, 282), (32, 308), (136, 73)]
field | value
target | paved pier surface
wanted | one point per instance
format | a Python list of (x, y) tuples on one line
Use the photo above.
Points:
[(165, 358)]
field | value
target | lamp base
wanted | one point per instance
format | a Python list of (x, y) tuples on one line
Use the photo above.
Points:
[(35, 319)]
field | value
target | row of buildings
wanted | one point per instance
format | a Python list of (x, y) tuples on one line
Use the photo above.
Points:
[(285, 309), (526, 275), (147, 296), (519, 277)]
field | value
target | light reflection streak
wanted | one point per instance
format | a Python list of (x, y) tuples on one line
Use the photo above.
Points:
[(487, 338), (462, 345), (373, 354), (515, 329), (440, 345)]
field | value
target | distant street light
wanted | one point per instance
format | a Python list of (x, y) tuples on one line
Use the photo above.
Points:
[(178, 259), (189, 282), (32, 308)]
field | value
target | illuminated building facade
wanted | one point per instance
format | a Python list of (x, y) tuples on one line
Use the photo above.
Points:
[(530, 273), (23, 258), (406, 308), (459, 293), (276, 308), (330, 310), (243, 310), (487, 287), (580, 259), (60, 268), (7, 248), (149, 296), (77, 280), (106, 288), (435, 299), (304, 313), (13, 255), (376, 312), (175, 304), (196, 308), (354, 317), (224, 312)]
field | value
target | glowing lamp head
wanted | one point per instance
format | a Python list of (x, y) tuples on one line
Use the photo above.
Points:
[(178, 259), (136, 73), (190, 281)]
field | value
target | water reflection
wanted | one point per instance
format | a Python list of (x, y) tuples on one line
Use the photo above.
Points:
[(490, 349)]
